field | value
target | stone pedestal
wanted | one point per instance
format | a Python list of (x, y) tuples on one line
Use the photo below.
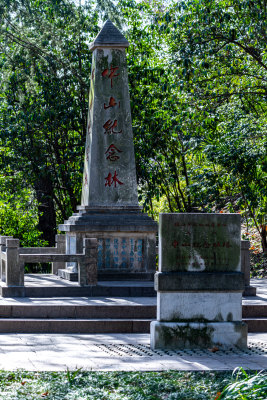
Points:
[(126, 241), (199, 284), (109, 210)]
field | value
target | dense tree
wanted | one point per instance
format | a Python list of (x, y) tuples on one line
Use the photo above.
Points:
[(45, 66), (197, 73), (200, 117)]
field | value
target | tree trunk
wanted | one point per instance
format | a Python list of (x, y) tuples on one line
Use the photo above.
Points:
[(46, 210)]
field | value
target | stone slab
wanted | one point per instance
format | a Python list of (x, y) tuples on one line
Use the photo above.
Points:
[(199, 242), (204, 281), (180, 335), (192, 306), (98, 352)]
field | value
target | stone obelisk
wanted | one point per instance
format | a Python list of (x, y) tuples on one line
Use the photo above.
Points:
[(109, 209)]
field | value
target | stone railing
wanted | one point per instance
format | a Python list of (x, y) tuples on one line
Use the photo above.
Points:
[(13, 259), (245, 268)]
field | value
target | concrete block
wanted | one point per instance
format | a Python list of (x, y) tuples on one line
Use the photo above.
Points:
[(199, 306), (180, 335)]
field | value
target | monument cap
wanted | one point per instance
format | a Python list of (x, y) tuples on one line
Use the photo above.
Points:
[(109, 36)]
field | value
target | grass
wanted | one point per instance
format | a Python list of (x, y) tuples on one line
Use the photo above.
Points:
[(84, 385)]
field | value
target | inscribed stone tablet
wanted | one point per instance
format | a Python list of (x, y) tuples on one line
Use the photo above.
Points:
[(199, 242)]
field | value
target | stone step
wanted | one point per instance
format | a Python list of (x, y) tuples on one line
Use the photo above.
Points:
[(99, 325), (53, 311), (38, 325), (256, 324), (254, 310)]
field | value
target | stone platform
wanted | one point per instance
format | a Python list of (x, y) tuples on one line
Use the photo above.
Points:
[(48, 285), (120, 352)]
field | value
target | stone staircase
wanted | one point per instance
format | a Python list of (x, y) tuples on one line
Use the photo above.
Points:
[(77, 316), (99, 315), (255, 316), (120, 307), (254, 308)]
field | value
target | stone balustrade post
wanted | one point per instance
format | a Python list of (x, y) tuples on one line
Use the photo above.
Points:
[(87, 269), (2, 262), (245, 268), (14, 269), (61, 247)]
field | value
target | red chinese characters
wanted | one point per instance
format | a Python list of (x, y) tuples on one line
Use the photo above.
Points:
[(111, 153), (110, 73), (110, 125), (110, 180), (112, 103)]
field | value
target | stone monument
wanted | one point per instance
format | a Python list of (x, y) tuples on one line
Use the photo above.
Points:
[(109, 208), (199, 284)]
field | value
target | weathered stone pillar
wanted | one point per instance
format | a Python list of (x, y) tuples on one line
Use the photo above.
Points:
[(199, 284), (87, 270), (2, 262), (245, 267), (14, 269), (61, 248), (109, 209)]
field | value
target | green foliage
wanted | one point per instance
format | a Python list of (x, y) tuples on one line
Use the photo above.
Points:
[(246, 387), (70, 385), (44, 68), (18, 212), (197, 74)]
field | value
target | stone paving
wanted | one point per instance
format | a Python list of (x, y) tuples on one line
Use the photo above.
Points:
[(127, 352), (120, 352)]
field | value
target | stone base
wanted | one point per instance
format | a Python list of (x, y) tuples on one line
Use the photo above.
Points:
[(199, 306), (109, 276), (180, 335), (12, 291), (250, 291), (126, 238), (67, 274)]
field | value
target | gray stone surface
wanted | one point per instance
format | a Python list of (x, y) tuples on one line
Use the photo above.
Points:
[(119, 352), (199, 242), (199, 306), (109, 167)]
